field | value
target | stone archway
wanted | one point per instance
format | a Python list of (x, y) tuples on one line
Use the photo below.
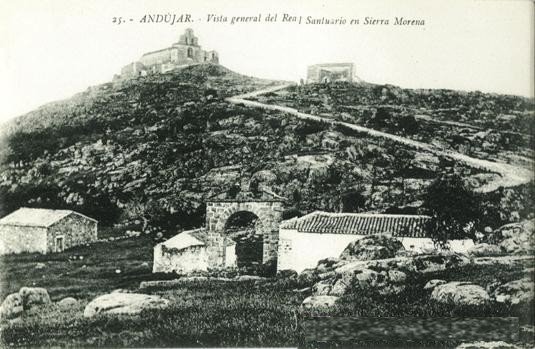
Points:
[(244, 229), (268, 208)]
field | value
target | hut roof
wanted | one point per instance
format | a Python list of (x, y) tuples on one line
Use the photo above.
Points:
[(37, 217)]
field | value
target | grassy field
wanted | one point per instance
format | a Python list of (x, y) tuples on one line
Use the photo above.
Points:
[(202, 313)]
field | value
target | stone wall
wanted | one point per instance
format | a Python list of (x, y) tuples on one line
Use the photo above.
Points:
[(18, 239), (190, 259), (76, 229), (156, 57)]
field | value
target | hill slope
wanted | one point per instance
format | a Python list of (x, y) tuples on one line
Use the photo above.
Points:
[(150, 150)]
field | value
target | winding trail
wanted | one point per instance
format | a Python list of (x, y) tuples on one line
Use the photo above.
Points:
[(510, 175)]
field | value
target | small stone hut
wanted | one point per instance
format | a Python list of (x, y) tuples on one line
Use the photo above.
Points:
[(45, 230), (188, 252), (306, 240)]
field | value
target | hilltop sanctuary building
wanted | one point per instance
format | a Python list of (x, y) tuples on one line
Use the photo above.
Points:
[(44, 230), (329, 72), (184, 52)]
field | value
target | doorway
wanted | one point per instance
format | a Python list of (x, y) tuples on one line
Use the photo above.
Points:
[(60, 244)]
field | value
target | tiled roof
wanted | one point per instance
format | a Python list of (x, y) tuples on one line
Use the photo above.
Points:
[(36, 217), (359, 224)]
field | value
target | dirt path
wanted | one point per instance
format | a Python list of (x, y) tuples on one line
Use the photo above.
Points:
[(510, 175)]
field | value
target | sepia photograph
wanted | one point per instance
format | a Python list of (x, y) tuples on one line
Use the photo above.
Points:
[(222, 174)]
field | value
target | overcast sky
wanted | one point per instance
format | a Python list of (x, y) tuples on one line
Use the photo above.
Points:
[(51, 49)]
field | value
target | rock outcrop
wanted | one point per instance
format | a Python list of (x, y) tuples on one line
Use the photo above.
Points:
[(515, 292), (11, 306), (315, 302), (372, 247), (460, 293), (484, 249), (431, 284), (32, 296), (67, 303), (515, 238)]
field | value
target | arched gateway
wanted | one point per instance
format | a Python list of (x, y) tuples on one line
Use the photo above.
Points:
[(265, 205)]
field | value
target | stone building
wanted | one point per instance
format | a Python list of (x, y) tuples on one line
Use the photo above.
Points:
[(188, 252), (45, 230), (329, 72), (306, 240), (186, 51)]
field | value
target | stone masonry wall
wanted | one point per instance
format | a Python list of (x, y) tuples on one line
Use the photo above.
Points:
[(76, 229), (18, 239)]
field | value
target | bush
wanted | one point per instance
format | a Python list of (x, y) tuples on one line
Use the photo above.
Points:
[(454, 209)]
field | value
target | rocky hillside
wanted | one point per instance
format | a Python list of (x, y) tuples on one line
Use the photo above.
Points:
[(147, 152), (486, 126)]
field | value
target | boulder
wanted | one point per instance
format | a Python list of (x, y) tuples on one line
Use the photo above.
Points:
[(314, 302), (516, 247), (342, 285), (460, 293), (436, 262), (378, 246), (308, 277), (322, 288), (32, 296), (11, 306), (515, 292), (431, 284), (326, 265), (484, 249), (67, 303), (385, 282), (287, 274), (124, 304)]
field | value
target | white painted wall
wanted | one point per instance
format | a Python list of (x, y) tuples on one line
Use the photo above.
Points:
[(19, 239), (187, 260), (460, 245), (230, 256), (299, 251)]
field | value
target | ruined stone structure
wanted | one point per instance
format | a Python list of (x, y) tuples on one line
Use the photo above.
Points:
[(329, 72), (186, 51), (210, 247), (45, 230)]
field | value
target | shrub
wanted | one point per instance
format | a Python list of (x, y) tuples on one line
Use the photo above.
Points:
[(454, 209)]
